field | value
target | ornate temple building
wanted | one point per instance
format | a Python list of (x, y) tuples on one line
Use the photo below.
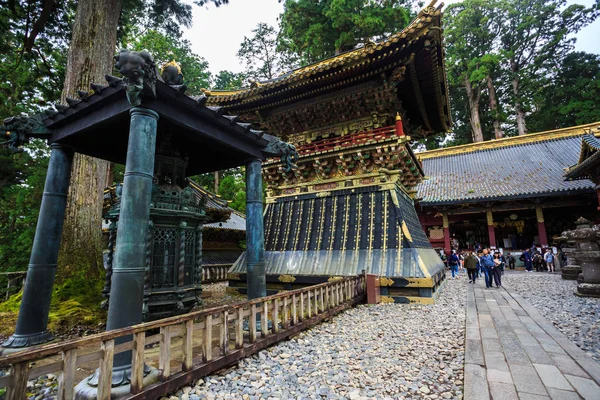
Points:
[(509, 193), (347, 205)]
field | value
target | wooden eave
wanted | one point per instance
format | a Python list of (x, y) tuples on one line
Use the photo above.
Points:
[(99, 126)]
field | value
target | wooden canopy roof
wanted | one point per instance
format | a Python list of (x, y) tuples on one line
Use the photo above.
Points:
[(97, 124), (414, 58)]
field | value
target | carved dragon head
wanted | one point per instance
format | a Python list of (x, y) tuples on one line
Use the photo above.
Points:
[(139, 74)]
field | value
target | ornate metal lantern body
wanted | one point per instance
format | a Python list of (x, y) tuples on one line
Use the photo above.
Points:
[(174, 243)]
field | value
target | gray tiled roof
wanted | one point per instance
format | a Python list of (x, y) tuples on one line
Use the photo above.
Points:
[(501, 173), (236, 222)]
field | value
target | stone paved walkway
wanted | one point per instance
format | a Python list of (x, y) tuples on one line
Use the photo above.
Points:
[(512, 352)]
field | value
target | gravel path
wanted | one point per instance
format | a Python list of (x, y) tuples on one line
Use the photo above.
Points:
[(370, 352), (577, 317)]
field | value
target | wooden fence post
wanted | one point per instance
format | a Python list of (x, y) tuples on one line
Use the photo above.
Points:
[(66, 381), (187, 344), (137, 362), (275, 315), (106, 363), (225, 334), (239, 329), (18, 387), (294, 310), (164, 357), (208, 338)]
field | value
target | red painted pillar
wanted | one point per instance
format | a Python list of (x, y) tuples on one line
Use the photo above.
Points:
[(446, 226), (598, 195), (491, 229), (399, 127), (542, 236)]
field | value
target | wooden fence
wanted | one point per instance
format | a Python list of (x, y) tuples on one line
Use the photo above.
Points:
[(214, 272), (189, 346)]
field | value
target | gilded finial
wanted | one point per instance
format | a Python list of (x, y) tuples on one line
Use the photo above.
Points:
[(398, 117), (171, 63), (206, 92)]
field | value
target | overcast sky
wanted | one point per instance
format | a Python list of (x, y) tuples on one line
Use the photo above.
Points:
[(216, 33)]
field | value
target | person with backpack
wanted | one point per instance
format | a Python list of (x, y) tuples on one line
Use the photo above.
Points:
[(471, 266), (538, 262), (549, 258), (453, 262)]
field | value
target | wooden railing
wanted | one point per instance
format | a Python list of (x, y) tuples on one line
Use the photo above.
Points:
[(347, 140), (214, 272), (189, 346)]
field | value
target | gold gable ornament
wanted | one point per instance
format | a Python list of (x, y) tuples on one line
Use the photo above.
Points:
[(286, 278), (171, 63)]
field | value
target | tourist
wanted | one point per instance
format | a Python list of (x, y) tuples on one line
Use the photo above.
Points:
[(479, 267), (487, 262), (453, 262), (549, 258), (497, 270), (503, 263), (471, 266), (526, 258), (510, 259), (538, 262)]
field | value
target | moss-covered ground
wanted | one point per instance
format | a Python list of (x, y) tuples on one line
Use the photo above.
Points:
[(75, 302)]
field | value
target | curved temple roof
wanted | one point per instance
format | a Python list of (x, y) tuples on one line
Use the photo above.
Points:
[(417, 47), (517, 167)]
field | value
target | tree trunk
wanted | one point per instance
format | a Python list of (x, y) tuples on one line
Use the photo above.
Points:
[(518, 106), (216, 182), (473, 94), (90, 57), (498, 133)]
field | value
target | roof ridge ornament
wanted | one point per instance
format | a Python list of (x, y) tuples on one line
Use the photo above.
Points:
[(20, 129), (139, 74)]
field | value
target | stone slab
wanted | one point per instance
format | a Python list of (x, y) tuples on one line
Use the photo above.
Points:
[(495, 375), (527, 380), (495, 360), (587, 388), (503, 391), (567, 365), (557, 394), (529, 396), (476, 385), (552, 377), (474, 352)]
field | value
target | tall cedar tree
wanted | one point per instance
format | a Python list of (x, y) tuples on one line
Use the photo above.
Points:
[(315, 30), (533, 35), (470, 34)]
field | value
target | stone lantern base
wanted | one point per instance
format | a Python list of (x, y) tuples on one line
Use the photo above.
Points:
[(570, 272), (588, 290)]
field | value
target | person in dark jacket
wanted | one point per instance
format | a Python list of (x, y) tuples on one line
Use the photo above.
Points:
[(527, 260), (487, 262), (510, 260), (453, 262), (497, 271), (471, 266)]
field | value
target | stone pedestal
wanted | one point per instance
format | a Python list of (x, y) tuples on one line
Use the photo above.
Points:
[(570, 272), (588, 254)]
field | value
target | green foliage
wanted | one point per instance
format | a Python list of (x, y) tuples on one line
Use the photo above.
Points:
[(233, 189), (314, 30), (165, 48), (260, 55), (569, 98), (227, 80), (519, 44), (33, 48), (22, 178)]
